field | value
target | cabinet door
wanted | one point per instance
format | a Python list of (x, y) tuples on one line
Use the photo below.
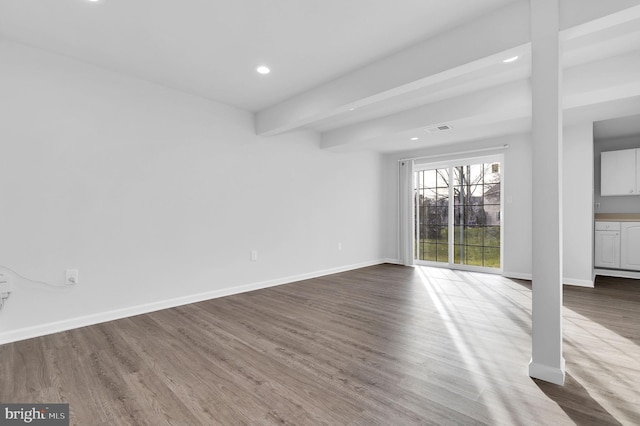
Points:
[(607, 249), (630, 246), (618, 172)]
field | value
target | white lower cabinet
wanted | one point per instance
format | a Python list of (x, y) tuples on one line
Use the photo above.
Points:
[(630, 246), (607, 245)]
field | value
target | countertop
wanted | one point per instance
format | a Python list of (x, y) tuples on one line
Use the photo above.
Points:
[(618, 217)]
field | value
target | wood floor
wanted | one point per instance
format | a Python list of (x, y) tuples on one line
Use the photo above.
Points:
[(385, 345)]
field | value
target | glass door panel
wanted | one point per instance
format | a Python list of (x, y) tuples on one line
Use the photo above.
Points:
[(476, 203), (432, 215)]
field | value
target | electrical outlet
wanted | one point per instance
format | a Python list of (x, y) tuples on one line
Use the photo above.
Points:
[(597, 206), (254, 255), (71, 277)]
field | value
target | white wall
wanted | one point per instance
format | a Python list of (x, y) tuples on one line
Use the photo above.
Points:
[(578, 204), (609, 204), (155, 195), (518, 207), (517, 194)]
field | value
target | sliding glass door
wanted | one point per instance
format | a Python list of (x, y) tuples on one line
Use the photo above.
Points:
[(458, 214)]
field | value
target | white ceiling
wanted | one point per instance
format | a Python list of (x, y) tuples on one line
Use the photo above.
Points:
[(364, 74), (212, 47)]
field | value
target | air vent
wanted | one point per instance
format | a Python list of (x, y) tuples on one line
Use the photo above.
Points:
[(436, 129)]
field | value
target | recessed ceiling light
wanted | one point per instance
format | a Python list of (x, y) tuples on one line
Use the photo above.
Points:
[(513, 59), (263, 69), (351, 109), (414, 139)]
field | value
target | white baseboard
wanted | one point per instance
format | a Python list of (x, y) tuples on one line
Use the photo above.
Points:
[(547, 373), (566, 281), (578, 282), (617, 273), (517, 276), (393, 261), (71, 323)]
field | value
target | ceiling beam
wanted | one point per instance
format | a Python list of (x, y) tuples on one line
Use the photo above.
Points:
[(462, 50), (588, 84), (508, 101), (444, 56)]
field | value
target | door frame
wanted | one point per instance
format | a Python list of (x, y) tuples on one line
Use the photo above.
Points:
[(450, 164)]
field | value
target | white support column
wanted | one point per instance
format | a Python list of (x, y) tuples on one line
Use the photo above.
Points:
[(547, 362)]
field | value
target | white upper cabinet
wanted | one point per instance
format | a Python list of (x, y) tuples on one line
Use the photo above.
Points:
[(619, 172)]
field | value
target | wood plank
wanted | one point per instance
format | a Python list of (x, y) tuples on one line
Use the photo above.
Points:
[(376, 346)]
